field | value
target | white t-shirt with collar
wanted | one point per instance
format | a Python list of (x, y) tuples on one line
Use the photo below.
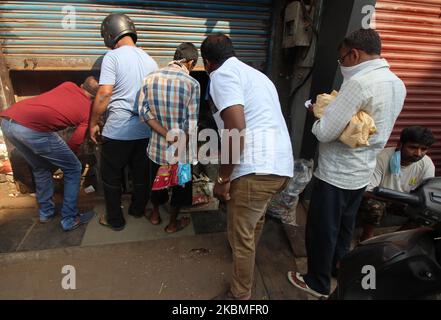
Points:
[(268, 147)]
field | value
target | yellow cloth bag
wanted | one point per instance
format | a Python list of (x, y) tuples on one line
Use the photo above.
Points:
[(359, 129), (322, 101)]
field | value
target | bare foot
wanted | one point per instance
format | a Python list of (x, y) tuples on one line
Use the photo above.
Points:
[(153, 216), (178, 226)]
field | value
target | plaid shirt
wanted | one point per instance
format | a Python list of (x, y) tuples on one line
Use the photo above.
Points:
[(171, 96)]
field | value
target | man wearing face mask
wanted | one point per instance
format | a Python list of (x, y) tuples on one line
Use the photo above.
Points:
[(343, 172), (402, 169), (169, 100)]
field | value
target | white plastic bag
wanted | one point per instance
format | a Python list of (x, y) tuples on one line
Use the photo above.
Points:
[(283, 205), (3, 151)]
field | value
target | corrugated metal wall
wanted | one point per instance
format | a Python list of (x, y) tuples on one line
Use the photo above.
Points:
[(411, 35), (32, 35)]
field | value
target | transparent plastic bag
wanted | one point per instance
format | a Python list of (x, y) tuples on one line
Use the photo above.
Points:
[(202, 189), (283, 205)]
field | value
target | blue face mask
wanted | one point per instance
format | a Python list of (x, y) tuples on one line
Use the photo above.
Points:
[(395, 162)]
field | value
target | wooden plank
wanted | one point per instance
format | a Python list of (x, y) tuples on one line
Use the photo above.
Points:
[(53, 63), (274, 259), (72, 63), (6, 89), (7, 96), (259, 291), (296, 234), (296, 238)]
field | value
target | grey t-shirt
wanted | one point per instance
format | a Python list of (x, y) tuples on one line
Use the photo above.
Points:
[(125, 68)]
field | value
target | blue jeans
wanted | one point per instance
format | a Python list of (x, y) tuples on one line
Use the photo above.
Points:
[(43, 151)]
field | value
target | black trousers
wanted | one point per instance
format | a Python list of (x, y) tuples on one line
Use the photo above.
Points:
[(181, 196), (115, 156), (329, 228)]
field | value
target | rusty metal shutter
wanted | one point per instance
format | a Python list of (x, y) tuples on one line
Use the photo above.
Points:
[(32, 36), (411, 35)]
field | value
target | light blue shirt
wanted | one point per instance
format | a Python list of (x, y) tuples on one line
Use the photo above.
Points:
[(125, 68)]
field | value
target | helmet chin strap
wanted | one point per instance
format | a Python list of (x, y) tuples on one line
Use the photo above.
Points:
[(125, 40)]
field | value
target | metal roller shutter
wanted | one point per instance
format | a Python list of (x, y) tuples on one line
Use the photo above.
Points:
[(32, 36), (411, 35)]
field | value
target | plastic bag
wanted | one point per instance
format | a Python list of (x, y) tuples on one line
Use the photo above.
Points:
[(202, 189), (359, 130), (5, 166), (3, 150), (283, 205), (184, 173), (165, 177)]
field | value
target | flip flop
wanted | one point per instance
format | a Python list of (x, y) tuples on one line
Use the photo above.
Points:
[(179, 226), (103, 222)]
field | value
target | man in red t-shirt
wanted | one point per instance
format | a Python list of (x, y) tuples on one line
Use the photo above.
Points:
[(31, 126)]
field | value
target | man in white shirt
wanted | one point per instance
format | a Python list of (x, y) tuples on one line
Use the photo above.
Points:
[(401, 169), (247, 102), (343, 172)]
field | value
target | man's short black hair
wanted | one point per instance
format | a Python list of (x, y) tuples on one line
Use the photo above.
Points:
[(367, 40), (187, 51), (91, 85), (217, 48), (417, 134)]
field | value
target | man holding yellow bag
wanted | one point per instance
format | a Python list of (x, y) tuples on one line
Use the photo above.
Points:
[(359, 129), (344, 172)]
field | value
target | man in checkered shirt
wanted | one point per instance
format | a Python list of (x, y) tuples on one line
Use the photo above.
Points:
[(169, 100), (343, 172)]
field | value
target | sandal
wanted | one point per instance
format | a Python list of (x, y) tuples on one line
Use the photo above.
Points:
[(180, 224), (103, 222), (297, 280)]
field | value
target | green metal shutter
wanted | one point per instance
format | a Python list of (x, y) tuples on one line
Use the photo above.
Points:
[(33, 38)]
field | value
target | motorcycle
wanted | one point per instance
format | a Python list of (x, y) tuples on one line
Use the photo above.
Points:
[(400, 265)]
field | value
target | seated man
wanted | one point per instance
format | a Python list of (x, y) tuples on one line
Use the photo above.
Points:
[(31, 126), (401, 169)]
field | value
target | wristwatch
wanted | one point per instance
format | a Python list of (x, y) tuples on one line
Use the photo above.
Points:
[(221, 180)]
